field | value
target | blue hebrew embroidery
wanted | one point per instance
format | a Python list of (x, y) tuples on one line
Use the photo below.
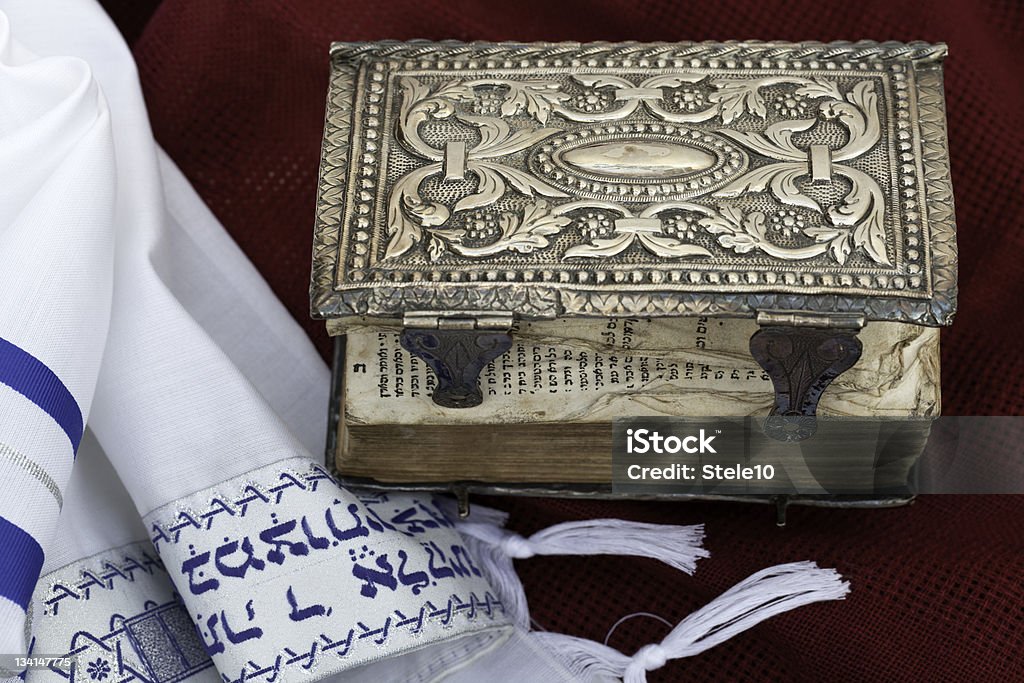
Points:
[(203, 576), (303, 613), (409, 520), (378, 635), (291, 570), (235, 558), (246, 632)]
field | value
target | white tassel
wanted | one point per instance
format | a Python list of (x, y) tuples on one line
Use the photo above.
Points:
[(762, 595), (677, 546)]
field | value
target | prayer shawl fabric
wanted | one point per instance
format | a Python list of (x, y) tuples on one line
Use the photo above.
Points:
[(188, 533)]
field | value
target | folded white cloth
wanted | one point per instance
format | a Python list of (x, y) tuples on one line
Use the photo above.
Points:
[(206, 405), (56, 211)]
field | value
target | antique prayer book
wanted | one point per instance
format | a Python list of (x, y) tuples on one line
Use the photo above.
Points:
[(518, 243), (549, 402)]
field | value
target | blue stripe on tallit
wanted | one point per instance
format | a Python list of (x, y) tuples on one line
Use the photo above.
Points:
[(27, 375), (21, 560)]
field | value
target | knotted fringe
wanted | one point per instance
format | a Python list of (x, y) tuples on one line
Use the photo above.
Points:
[(762, 595), (677, 546)]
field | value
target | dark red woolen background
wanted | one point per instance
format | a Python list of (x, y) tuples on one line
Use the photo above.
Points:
[(236, 95)]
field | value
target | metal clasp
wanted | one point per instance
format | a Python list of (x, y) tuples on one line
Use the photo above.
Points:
[(802, 353), (457, 346)]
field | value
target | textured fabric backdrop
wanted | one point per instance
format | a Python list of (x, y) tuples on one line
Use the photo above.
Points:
[(236, 96)]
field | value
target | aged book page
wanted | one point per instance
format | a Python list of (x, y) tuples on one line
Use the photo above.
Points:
[(596, 370), (549, 401)]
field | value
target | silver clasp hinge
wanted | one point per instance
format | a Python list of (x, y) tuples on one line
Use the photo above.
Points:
[(845, 321), (458, 320)]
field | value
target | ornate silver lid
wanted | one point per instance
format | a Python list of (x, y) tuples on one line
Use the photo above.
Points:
[(550, 180)]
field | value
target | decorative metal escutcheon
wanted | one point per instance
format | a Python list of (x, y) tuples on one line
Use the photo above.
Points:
[(456, 357), (802, 362)]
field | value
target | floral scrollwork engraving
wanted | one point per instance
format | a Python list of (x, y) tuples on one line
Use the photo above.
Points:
[(522, 234), (645, 229), (815, 177), (854, 222), (857, 220), (408, 212)]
